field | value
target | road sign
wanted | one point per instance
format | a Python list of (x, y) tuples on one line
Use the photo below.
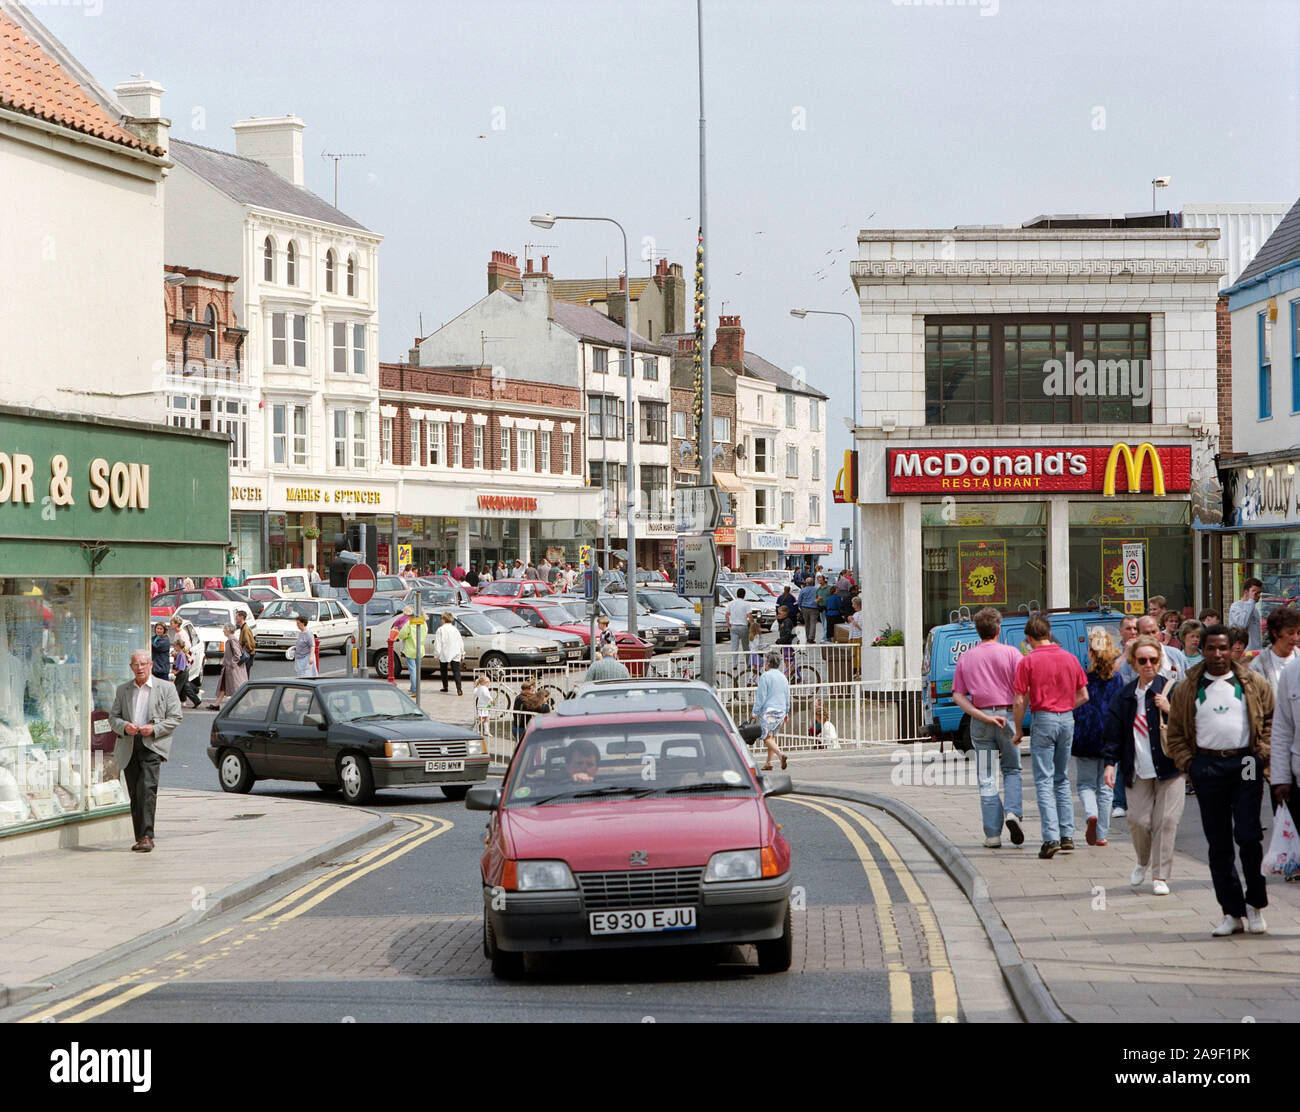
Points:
[(696, 509), (361, 584), (590, 585), (697, 565), (1133, 561)]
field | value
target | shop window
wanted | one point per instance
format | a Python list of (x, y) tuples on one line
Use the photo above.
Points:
[(457, 457), (654, 491), (1265, 370), (599, 360), (340, 347), (478, 447), (606, 417), (359, 349), (654, 422), (764, 509), (1098, 529), (650, 368), (787, 506), (385, 440), (977, 554), (568, 453), (279, 434), (544, 452), (505, 449), (300, 436), (679, 424)]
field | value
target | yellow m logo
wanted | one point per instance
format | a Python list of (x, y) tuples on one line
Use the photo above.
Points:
[(1133, 467)]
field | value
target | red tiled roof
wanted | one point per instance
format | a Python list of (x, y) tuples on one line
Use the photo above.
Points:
[(35, 84)]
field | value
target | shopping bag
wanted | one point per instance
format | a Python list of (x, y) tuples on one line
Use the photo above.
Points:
[(1283, 856)]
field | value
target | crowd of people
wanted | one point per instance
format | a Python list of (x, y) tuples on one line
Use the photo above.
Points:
[(1179, 708)]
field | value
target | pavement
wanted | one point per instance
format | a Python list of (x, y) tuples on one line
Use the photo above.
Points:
[(1072, 940)]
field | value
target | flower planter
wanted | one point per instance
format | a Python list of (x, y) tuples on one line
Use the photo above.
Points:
[(882, 663)]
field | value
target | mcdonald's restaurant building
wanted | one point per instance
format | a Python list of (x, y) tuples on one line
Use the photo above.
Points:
[(1039, 416)]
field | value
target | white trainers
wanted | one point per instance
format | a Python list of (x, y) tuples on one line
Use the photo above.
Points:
[(1117, 812), (1230, 925), (1138, 876), (993, 843), (1159, 888), (1255, 920)]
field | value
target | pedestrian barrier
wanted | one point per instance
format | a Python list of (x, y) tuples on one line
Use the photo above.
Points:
[(822, 689)]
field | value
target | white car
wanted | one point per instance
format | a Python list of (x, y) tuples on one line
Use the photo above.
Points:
[(207, 619), (277, 628)]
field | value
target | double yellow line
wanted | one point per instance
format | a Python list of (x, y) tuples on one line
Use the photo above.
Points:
[(901, 1005), (298, 902)]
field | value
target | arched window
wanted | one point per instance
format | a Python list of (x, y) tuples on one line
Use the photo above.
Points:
[(352, 276), (210, 334), (268, 260), (291, 263), (329, 271)]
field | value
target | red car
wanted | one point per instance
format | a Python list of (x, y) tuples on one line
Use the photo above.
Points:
[(617, 829), (542, 613), (512, 588), (165, 604)]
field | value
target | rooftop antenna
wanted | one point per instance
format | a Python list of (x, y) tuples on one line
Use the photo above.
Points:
[(528, 247), (336, 157)]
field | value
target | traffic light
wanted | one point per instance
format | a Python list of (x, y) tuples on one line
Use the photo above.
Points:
[(371, 554)]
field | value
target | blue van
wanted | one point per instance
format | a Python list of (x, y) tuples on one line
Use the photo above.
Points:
[(944, 644)]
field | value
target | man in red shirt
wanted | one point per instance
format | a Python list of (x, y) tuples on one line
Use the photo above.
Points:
[(1051, 683)]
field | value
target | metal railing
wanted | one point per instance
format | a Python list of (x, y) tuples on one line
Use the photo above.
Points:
[(821, 684)]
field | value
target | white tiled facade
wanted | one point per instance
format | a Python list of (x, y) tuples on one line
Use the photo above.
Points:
[(905, 276)]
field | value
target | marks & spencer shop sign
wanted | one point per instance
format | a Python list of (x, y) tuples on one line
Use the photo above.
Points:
[(1105, 470)]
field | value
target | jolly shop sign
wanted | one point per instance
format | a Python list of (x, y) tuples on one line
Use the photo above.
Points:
[(1119, 468)]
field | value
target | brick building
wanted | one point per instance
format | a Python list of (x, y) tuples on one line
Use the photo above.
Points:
[(489, 467)]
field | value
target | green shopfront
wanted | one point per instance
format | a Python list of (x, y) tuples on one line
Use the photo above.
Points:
[(89, 511)]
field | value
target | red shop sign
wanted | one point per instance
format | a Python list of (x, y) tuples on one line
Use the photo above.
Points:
[(1107, 470)]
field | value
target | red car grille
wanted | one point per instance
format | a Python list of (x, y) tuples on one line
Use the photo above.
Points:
[(643, 888)]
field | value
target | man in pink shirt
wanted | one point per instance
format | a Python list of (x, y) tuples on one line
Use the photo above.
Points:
[(982, 686), (1050, 681)]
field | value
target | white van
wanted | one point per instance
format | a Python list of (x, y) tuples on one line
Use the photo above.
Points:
[(292, 582)]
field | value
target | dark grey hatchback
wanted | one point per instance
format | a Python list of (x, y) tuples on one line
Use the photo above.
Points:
[(349, 736)]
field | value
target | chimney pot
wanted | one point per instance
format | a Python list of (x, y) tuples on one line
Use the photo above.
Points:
[(529, 264), (546, 264), (622, 283)]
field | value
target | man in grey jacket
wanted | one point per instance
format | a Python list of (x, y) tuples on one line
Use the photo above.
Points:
[(144, 715)]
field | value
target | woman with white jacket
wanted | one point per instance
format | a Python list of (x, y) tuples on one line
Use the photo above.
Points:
[(449, 647)]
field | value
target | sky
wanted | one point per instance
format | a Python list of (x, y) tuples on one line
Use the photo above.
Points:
[(824, 117)]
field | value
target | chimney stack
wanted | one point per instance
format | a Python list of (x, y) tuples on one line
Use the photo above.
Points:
[(143, 103), (277, 141), (539, 290), (502, 269), (729, 342)]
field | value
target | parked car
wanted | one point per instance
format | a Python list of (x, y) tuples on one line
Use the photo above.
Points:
[(513, 588), (346, 735), (393, 585), (670, 635), (166, 604), (259, 593), (277, 629), (765, 605), (381, 612), (435, 598), (487, 645), (647, 694), (505, 617), (570, 615), (445, 581), (663, 837), (294, 582), (669, 604), (208, 620), (944, 645)]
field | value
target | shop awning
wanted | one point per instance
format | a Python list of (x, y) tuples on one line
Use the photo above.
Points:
[(727, 481)]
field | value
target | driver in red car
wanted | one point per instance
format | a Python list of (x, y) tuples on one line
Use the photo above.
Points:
[(581, 761)]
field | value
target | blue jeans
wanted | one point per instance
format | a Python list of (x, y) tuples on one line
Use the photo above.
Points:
[(1120, 797), (739, 638), (413, 667), (1093, 793), (1049, 747), (990, 741)]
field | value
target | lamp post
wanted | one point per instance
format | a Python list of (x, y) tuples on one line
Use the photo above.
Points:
[(547, 220), (1158, 183), (708, 646), (853, 337)]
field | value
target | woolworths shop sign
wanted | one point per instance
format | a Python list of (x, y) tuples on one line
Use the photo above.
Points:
[(85, 496)]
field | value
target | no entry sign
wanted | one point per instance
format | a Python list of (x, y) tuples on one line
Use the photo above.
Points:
[(361, 584)]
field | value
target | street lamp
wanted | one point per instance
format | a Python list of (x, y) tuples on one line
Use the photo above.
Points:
[(853, 336), (547, 220), (1158, 183)]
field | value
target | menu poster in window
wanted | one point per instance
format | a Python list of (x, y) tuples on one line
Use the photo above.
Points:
[(982, 569), (1112, 575)]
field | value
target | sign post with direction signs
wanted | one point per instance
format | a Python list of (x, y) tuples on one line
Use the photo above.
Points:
[(1133, 561), (697, 565), (697, 509)]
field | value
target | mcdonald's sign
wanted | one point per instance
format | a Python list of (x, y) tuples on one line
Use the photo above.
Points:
[(1133, 469), (846, 482)]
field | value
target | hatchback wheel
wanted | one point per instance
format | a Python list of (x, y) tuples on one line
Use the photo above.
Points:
[(356, 779), (506, 966), (494, 664), (381, 664), (775, 956), (234, 773)]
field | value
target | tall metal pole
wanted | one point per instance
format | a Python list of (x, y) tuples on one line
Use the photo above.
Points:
[(853, 356), (630, 429), (707, 635)]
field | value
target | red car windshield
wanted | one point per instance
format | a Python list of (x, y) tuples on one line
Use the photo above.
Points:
[(629, 760)]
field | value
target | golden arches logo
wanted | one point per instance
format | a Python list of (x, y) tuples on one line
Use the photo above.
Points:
[(1133, 468)]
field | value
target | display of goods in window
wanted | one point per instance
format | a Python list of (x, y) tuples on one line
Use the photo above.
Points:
[(982, 570)]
